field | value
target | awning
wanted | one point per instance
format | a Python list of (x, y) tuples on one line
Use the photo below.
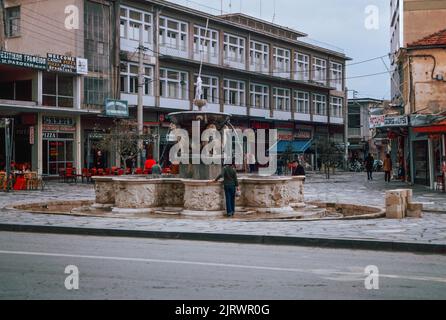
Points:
[(294, 146), (439, 127)]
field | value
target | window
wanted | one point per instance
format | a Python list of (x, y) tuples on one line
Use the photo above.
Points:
[(320, 70), (302, 100), (131, 22), (96, 91), (320, 104), (259, 96), (58, 90), (302, 63), (174, 84), (129, 78), (336, 107), (12, 22), (281, 60), (336, 75), (259, 55), (282, 99), (206, 42), (173, 34), (210, 88), (234, 48), (234, 92)]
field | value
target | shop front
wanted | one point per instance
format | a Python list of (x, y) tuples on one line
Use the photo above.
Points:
[(59, 141), (429, 148)]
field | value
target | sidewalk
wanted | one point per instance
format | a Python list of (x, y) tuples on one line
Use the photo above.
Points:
[(424, 235)]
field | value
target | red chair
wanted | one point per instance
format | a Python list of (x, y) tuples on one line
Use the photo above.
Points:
[(100, 172), (70, 174), (120, 172), (128, 171), (108, 171), (86, 175), (20, 183), (93, 172), (139, 171)]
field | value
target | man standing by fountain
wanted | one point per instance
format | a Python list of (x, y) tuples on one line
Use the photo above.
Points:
[(231, 186)]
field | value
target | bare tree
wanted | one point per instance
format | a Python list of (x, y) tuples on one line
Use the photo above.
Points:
[(330, 154), (122, 137)]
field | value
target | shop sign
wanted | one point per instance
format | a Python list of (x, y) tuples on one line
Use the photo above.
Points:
[(285, 136), (383, 121), (81, 66), (260, 125), (31, 135), (376, 121), (400, 121), (22, 60), (57, 135), (61, 121), (116, 108), (302, 135), (284, 125), (66, 64), (49, 135)]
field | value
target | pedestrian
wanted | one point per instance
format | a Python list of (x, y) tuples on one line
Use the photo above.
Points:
[(156, 170), (231, 186), (387, 166), (251, 162), (298, 169), (369, 162)]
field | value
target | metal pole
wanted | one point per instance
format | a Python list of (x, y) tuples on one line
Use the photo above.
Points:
[(8, 152), (140, 111)]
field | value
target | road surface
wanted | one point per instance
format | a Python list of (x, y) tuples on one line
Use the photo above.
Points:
[(32, 266)]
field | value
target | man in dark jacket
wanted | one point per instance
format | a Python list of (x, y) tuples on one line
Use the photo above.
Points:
[(299, 170), (231, 186), (369, 162)]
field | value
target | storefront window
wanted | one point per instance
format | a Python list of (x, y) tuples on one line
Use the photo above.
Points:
[(58, 90), (58, 152)]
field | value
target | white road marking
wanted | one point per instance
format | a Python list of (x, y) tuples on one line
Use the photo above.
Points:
[(342, 276)]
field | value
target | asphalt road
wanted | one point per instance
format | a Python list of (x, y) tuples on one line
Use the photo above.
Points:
[(32, 266)]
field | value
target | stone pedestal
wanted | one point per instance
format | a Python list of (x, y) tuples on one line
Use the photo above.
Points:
[(399, 205), (203, 196), (136, 193), (104, 191), (296, 190), (267, 194), (170, 193), (415, 210)]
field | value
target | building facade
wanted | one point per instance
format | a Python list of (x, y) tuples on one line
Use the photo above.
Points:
[(423, 93), (262, 74), (411, 20), (361, 134)]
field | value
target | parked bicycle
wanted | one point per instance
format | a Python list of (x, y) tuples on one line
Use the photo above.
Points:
[(356, 166)]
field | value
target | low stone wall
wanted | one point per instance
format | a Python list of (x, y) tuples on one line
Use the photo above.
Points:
[(196, 195), (399, 205)]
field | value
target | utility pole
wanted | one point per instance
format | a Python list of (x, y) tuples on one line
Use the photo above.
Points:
[(346, 128), (141, 85)]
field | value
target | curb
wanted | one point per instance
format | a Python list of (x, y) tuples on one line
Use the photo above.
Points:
[(357, 244)]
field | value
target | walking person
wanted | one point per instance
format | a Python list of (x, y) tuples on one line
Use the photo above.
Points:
[(387, 166), (369, 162), (231, 186)]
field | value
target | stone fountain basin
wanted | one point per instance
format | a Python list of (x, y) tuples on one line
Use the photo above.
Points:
[(313, 211)]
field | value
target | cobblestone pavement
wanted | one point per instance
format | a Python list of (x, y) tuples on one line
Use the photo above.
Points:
[(348, 188)]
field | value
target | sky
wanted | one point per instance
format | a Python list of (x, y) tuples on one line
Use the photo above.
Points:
[(336, 23)]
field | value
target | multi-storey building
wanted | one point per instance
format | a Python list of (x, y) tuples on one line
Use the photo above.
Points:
[(360, 128), (418, 86), (261, 73), (412, 20)]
